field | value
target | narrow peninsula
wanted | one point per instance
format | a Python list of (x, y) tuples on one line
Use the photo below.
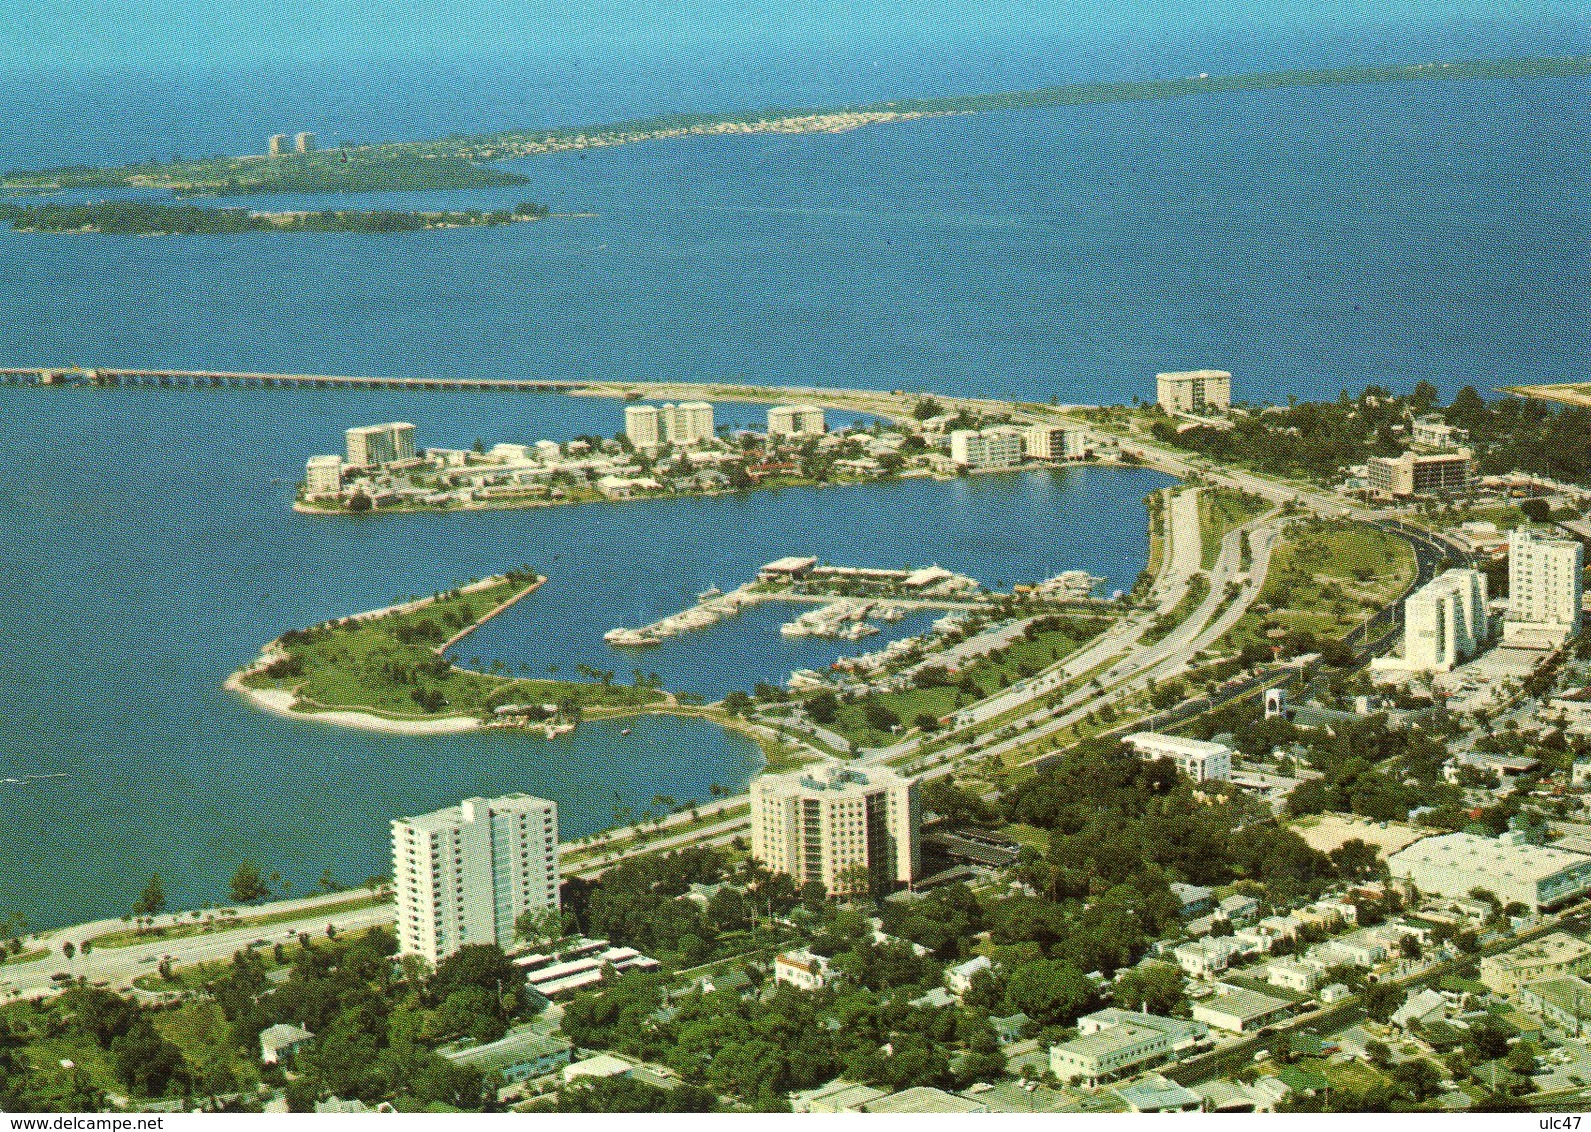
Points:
[(147, 218), (456, 162)]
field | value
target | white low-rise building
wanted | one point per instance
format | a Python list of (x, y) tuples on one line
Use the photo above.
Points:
[(1453, 864), (1199, 759), (989, 448), (803, 970), (1293, 976), (323, 475), (1109, 1053)]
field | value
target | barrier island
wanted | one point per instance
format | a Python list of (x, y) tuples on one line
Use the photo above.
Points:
[(455, 162)]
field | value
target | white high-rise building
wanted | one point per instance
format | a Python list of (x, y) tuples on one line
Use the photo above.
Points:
[(641, 425), (373, 445), (796, 420), (1545, 588), (1194, 391), (999, 447), (464, 874), (1052, 442), (323, 475), (848, 829), (1445, 621), (689, 422)]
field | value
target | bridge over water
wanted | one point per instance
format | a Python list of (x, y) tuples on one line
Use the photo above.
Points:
[(223, 379)]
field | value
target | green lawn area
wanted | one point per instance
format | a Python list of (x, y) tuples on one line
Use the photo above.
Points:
[(131, 937), (27, 955), (1326, 576), (1198, 590), (388, 665), (1222, 509), (1023, 658)]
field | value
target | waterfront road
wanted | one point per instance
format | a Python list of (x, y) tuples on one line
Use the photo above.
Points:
[(119, 966)]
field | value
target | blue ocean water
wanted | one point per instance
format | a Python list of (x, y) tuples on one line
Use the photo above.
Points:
[(1306, 240)]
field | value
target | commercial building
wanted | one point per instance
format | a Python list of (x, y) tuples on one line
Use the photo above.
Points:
[(989, 448), (1452, 864), (304, 142), (1552, 956), (689, 422), (1194, 391), (839, 1095), (1445, 621), (1184, 1034), (1400, 477), (520, 1055), (849, 830), (465, 873), (1238, 1010), (323, 475), (1051, 442), (277, 145), (1109, 1053), (1432, 431), (1566, 1002), (1199, 759), (796, 420), (642, 427), (926, 1100), (370, 446), (1545, 588)]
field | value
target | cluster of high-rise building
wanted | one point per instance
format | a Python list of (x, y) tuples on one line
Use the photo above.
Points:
[(466, 873), (1448, 620), (303, 142), (652, 426), (370, 446)]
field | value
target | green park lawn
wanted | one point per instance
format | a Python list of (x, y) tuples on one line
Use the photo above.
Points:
[(1326, 576), (132, 937), (1222, 509), (388, 665)]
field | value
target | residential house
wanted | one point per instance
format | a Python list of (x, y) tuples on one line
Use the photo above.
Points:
[(279, 1042)]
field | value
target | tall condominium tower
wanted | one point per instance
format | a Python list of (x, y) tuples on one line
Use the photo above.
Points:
[(849, 830)]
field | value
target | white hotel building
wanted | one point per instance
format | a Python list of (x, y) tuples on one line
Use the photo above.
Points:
[(373, 445), (998, 447), (465, 873), (832, 825)]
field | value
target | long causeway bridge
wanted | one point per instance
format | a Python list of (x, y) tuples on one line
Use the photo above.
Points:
[(224, 379)]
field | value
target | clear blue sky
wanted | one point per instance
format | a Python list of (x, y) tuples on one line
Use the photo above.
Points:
[(98, 34)]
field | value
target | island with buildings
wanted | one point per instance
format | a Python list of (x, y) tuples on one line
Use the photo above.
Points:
[(672, 449)]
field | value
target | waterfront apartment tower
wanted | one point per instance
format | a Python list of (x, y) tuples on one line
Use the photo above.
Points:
[(1051, 442), (371, 446), (641, 426), (277, 145), (1445, 621), (850, 830), (999, 447), (1545, 588), (796, 420), (304, 142), (323, 475), (464, 874), (689, 422), (1195, 391)]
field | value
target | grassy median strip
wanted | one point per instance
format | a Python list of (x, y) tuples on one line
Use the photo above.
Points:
[(219, 922)]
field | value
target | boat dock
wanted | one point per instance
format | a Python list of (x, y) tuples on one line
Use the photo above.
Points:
[(711, 608)]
